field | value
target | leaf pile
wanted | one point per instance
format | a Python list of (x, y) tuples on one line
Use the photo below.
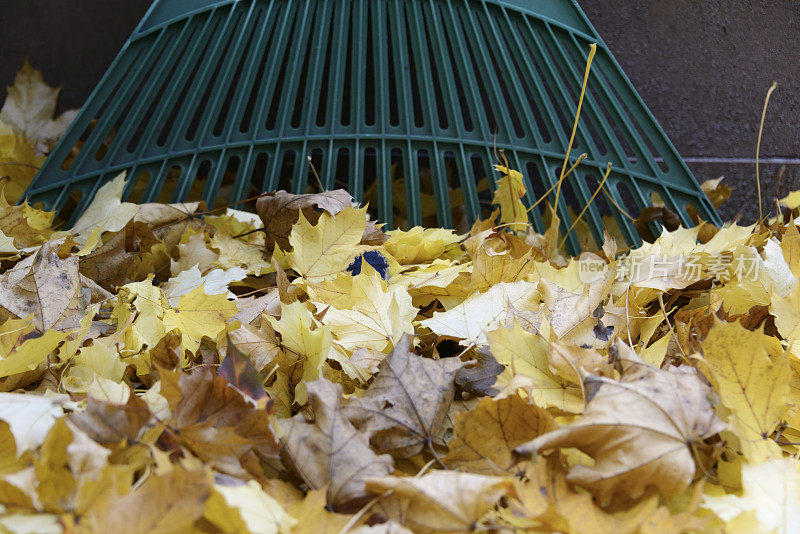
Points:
[(165, 368)]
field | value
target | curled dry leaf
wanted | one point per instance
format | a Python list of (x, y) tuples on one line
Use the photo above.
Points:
[(109, 424), (485, 437), (215, 422), (238, 369), (46, 285), (110, 264), (405, 407), (640, 430), (480, 376), (544, 498), (440, 501), (329, 451)]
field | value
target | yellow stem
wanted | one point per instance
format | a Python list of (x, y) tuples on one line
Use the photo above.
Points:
[(592, 51), (758, 148), (578, 218), (577, 162), (619, 208)]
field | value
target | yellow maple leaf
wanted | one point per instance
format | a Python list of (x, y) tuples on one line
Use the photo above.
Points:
[(314, 515), (786, 308), (420, 245), (499, 257), (370, 315), (246, 507), (510, 189), (751, 375), (198, 315), (19, 162), (329, 247), (142, 324), (792, 200), (96, 360), (526, 355), (26, 225), (107, 212), (771, 494), (306, 341), (501, 305), (22, 348)]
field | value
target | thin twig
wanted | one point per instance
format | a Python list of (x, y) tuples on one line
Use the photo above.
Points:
[(592, 52), (544, 196), (586, 207), (758, 148)]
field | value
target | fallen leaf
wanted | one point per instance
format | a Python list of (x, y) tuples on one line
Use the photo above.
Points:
[(247, 506), (167, 503), (329, 451), (640, 430), (771, 491), (510, 189), (501, 305), (23, 348), (30, 107), (107, 212), (405, 407), (30, 417), (484, 438), (314, 517), (440, 501), (239, 371), (280, 212), (525, 355), (753, 385), (480, 376), (198, 315), (327, 248), (46, 285)]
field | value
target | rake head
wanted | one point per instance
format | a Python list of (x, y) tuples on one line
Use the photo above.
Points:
[(404, 103)]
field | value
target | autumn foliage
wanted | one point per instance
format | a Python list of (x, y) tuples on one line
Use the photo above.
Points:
[(169, 368)]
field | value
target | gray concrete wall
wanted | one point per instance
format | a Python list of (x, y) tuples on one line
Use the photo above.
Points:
[(703, 67)]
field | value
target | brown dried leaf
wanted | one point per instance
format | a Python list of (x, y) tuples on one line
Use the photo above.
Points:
[(486, 436), (109, 424), (163, 504), (214, 421), (329, 451), (640, 430), (46, 285), (479, 376), (405, 407), (110, 264), (440, 501)]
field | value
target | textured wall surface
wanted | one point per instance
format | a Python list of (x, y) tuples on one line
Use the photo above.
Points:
[(703, 67)]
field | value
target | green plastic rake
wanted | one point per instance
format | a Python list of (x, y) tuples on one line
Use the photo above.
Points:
[(224, 99)]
